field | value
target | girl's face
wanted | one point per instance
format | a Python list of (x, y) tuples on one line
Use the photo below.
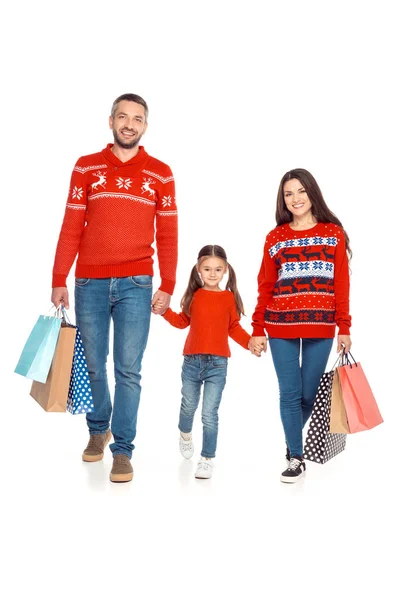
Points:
[(296, 199), (212, 270)]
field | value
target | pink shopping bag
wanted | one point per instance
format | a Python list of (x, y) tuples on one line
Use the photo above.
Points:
[(361, 408)]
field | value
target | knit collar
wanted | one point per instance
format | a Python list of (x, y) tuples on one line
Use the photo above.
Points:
[(110, 156)]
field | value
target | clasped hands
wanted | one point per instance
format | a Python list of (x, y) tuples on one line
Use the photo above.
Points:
[(160, 302), (258, 344)]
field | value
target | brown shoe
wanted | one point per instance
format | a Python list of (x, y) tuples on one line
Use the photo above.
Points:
[(94, 451), (122, 469)]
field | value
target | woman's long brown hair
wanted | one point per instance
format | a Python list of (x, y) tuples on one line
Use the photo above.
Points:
[(196, 283), (319, 208)]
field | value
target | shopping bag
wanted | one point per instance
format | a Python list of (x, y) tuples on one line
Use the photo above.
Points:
[(38, 352), (338, 417), (52, 396), (361, 408), (80, 399), (321, 445)]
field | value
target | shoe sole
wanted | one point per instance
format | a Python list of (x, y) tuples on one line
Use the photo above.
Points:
[(121, 478), (96, 457), (292, 479), (203, 476)]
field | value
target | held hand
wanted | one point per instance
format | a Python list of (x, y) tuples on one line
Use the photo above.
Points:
[(258, 344), (343, 343), (160, 302), (59, 296)]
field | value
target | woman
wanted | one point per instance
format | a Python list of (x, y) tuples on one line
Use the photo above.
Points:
[(303, 294)]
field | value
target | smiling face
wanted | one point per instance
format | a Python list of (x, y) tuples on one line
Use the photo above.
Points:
[(296, 199), (128, 124), (212, 270)]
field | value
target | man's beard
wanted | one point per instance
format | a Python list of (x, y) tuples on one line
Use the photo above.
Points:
[(125, 145)]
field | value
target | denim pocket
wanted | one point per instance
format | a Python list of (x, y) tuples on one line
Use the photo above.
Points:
[(80, 281), (143, 281), (188, 358), (221, 361)]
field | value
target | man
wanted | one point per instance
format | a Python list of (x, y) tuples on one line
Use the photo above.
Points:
[(115, 199)]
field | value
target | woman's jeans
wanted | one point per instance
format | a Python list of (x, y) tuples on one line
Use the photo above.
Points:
[(298, 383), (196, 370), (127, 300)]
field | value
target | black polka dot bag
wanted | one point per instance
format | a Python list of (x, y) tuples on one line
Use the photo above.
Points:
[(321, 445)]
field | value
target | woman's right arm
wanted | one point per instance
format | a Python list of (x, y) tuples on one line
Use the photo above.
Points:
[(180, 320), (267, 278)]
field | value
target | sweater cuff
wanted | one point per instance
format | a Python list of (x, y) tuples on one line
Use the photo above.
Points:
[(167, 286), (167, 314), (59, 281), (258, 331), (344, 330)]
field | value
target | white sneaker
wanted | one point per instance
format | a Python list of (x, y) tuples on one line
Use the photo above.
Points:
[(186, 447), (204, 469)]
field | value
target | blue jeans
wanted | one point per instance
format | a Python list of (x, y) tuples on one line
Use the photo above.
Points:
[(196, 370), (127, 300), (298, 384)]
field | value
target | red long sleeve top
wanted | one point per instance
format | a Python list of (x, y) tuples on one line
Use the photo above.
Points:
[(109, 220), (303, 283), (213, 317)]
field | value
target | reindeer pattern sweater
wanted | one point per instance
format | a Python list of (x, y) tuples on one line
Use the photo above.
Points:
[(213, 316), (303, 283), (109, 220)]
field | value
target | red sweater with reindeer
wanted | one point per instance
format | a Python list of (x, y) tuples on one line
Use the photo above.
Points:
[(303, 283), (109, 220)]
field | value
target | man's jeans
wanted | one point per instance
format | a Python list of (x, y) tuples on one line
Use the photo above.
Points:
[(196, 370), (298, 384), (128, 301)]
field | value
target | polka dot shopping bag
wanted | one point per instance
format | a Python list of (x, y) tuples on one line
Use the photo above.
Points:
[(80, 399), (321, 445)]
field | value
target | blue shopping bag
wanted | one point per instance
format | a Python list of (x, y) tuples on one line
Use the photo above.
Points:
[(80, 399), (38, 352)]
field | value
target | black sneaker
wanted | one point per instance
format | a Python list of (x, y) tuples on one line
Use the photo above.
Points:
[(295, 470)]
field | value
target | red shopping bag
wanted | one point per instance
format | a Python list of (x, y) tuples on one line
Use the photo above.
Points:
[(361, 408)]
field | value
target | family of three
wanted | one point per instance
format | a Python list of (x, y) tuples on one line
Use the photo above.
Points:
[(117, 198)]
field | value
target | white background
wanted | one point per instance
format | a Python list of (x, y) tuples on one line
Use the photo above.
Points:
[(239, 93)]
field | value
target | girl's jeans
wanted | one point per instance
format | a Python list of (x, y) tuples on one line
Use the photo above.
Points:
[(196, 370)]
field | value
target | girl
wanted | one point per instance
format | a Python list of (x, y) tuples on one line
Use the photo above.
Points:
[(212, 314), (303, 288)]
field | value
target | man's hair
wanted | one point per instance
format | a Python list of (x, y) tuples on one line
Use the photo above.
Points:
[(130, 98)]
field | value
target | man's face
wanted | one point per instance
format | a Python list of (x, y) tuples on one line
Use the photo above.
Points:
[(128, 124)]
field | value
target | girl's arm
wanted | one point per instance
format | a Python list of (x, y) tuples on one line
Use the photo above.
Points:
[(267, 278), (180, 320), (236, 331)]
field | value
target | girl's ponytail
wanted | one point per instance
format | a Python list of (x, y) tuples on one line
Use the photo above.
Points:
[(231, 286), (194, 284)]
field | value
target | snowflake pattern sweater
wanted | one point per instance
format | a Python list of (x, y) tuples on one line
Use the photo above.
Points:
[(303, 283), (109, 219), (213, 316)]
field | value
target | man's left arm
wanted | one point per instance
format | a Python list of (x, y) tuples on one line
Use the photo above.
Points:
[(166, 241)]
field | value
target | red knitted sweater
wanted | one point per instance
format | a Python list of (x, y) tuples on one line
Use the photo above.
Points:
[(109, 219), (213, 316), (303, 283)]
